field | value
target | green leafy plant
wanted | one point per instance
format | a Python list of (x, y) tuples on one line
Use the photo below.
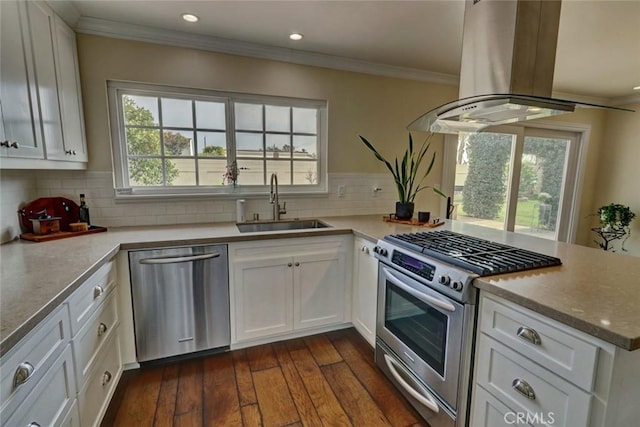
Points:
[(406, 171), (615, 216)]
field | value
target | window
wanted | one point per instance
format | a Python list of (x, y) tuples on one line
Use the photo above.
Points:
[(521, 179), (176, 141)]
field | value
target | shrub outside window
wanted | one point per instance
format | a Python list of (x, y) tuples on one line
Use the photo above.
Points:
[(177, 142)]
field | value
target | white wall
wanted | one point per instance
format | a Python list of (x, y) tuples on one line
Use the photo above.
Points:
[(16, 189)]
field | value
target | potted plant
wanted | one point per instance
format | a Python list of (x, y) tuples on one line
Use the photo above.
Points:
[(614, 225), (614, 217), (407, 174)]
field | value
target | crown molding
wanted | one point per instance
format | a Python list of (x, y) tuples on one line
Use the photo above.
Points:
[(66, 10), (101, 27)]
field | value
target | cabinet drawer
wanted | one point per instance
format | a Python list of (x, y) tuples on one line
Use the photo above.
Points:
[(551, 395), (51, 399), (88, 297), (36, 352), (558, 349), (487, 411), (72, 419), (101, 383), (89, 341)]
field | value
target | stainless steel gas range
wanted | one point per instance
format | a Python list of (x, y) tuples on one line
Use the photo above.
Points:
[(427, 311)]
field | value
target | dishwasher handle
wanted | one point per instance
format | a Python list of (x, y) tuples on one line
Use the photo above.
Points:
[(174, 260)]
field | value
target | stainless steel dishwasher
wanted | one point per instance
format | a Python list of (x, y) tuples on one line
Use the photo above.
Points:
[(180, 300)]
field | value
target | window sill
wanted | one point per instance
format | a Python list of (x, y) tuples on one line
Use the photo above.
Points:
[(149, 197)]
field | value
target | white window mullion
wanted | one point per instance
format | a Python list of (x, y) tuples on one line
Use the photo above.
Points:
[(513, 178)]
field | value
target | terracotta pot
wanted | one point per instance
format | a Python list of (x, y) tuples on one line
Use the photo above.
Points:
[(404, 210)]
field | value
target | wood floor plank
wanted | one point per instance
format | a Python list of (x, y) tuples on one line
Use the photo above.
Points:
[(166, 405), (190, 419), (294, 344), (301, 399), (189, 397), (244, 380), (261, 357), (220, 392), (322, 350), (353, 397), (390, 401), (251, 416), (323, 398), (139, 401), (275, 401)]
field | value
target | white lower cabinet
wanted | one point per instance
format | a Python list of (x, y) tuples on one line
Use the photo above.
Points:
[(101, 383), (365, 290), (281, 286), (52, 398), (532, 370)]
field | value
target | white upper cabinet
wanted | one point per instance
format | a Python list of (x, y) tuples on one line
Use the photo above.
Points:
[(41, 101), (74, 144), (19, 135)]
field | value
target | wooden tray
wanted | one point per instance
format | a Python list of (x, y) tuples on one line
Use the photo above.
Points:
[(61, 235), (412, 221)]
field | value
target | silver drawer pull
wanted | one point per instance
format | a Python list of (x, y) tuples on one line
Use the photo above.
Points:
[(23, 373), (523, 387), (33, 424), (529, 334), (97, 291), (106, 377), (173, 260), (102, 329)]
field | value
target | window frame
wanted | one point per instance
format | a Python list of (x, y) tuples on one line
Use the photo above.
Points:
[(123, 191), (575, 164)]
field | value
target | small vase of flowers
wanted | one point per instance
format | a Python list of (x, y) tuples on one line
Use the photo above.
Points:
[(230, 177)]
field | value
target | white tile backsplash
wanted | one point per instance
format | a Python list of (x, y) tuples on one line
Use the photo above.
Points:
[(23, 186)]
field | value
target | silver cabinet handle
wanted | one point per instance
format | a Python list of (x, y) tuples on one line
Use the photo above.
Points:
[(97, 291), (297, 264), (424, 398), (106, 377), (102, 329), (523, 387), (33, 424), (23, 373), (289, 264), (529, 334), (173, 260), (14, 144)]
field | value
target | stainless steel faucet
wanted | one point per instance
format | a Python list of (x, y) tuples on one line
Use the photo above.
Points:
[(273, 199)]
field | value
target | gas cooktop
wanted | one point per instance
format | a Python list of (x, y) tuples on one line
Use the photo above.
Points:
[(479, 256)]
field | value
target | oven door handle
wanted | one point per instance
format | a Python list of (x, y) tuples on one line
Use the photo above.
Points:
[(428, 299), (425, 398)]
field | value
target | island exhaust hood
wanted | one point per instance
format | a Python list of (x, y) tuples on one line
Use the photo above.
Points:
[(506, 76)]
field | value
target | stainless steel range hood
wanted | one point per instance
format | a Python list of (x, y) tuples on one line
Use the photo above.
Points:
[(506, 76)]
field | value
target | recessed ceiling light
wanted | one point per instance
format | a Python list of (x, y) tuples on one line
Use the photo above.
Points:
[(295, 36), (190, 17), (636, 88)]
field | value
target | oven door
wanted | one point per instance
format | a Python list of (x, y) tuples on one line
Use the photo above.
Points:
[(423, 328)]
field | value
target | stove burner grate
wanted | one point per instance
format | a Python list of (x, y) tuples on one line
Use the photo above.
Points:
[(473, 254)]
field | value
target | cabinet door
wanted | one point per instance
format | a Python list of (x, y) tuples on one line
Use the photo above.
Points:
[(75, 147), (319, 295), (19, 105), (41, 30), (263, 291), (365, 283)]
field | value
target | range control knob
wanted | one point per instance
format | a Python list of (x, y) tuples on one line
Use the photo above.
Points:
[(444, 280), (380, 251), (457, 286)]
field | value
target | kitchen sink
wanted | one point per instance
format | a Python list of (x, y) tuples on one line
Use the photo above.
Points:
[(295, 224)]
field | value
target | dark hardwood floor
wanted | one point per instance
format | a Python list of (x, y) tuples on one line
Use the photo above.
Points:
[(324, 380)]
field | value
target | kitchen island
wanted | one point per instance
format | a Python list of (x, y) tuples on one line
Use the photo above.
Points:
[(592, 291)]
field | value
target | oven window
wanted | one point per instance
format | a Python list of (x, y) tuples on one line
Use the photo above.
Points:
[(418, 325)]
